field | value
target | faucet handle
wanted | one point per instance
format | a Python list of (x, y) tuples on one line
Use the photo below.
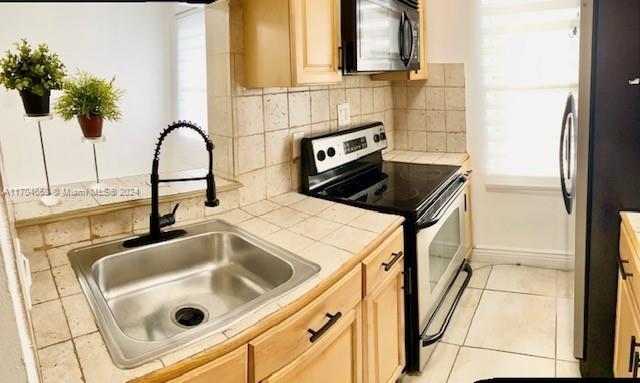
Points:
[(169, 219), (175, 208)]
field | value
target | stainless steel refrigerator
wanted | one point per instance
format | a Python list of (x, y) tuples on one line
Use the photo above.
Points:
[(600, 163)]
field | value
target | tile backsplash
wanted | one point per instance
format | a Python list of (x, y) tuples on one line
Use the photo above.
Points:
[(431, 115), (254, 127)]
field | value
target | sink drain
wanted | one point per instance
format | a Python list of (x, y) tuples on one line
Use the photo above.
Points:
[(189, 316)]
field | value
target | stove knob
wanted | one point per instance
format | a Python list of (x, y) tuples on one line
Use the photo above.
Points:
[(331, 152), (383, 136), (376, 138), (321, 155)]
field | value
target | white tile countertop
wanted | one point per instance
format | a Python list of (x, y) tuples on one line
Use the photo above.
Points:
[(426, 157), (632, 220), (71, 349)]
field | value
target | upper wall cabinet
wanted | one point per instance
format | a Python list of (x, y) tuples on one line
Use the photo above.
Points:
[(291, 42), (420, 74)]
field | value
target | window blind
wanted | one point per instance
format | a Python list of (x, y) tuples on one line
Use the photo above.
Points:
[(191, 71), (530, 63)]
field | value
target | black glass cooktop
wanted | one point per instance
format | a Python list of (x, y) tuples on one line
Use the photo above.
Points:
[(394, 187)]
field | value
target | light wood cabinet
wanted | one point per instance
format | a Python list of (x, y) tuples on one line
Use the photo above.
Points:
[(627, 340), (280, 345), (352, 332), (384, 352), (291, 42), (422, 73), (627, 333), (335, 357), (230, 368)]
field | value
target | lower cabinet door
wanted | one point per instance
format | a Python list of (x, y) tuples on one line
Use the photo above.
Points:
[(626, 352), (383, 318), (230, 368), (336, 355)]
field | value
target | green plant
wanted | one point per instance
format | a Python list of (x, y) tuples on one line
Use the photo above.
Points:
[(34, 70), (86, 95)]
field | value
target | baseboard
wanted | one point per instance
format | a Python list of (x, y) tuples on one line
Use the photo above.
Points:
[(550, 259)]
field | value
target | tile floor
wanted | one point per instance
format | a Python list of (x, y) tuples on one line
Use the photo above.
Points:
[(512, 321)]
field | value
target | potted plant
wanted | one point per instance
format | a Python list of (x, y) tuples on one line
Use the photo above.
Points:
[(91, 100), (33, 72)]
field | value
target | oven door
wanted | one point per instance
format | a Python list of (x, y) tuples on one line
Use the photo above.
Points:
[(387, 36), (441, 250)]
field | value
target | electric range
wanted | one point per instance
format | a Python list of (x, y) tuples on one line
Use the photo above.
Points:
[(347, 167)]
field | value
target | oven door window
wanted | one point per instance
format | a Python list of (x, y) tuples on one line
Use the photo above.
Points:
[(379, 30), (443, 248)]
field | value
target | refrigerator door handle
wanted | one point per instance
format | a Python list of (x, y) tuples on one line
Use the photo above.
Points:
[(566, 133)]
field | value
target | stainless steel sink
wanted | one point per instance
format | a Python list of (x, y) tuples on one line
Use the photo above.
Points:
[(152, 299)]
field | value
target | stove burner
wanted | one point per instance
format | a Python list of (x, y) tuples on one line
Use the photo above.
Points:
[(401, 193)]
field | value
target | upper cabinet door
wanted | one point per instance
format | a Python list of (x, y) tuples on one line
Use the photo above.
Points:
[(315, 41)]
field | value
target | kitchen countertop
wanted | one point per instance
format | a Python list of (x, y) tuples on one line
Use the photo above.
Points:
[(631, 219), (335, 236), (426, 157), (78, 200)]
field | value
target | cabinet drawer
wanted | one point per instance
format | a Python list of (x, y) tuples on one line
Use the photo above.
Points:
[(283, 343), (629, 260), (336, 357), (376, 265)]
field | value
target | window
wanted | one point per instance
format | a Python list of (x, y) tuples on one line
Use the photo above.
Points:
[(191, 70), (530, 62)]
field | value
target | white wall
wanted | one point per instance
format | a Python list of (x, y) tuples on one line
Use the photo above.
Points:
[(526, 223), (134, 43)]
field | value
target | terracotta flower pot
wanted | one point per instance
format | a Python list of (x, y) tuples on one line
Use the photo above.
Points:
[(91, 126), (35, 105)]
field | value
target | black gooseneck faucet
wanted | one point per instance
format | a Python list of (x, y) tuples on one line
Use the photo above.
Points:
[(157, 222)]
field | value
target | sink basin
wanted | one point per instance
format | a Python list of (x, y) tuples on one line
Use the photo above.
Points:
[(153, 299)]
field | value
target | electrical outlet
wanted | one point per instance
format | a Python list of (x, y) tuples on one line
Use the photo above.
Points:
[(295, 141), (344, 115)]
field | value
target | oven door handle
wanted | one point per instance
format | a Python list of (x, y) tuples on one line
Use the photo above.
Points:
[(426, 222)]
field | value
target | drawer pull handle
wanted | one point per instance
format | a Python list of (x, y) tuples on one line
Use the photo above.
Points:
[(636, 364), (394, 259), (623, 272), (632, 353), (315, 335)]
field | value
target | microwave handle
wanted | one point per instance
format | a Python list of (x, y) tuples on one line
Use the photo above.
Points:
[(408, 59), (401, 36)]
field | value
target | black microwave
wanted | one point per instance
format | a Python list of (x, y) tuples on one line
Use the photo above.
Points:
[(380, 35)]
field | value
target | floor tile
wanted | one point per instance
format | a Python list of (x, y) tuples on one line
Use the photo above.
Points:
[(476, 364), (522, 279), (514, 322), (565, 284), (566, 369), (480, 274), (564, 336), (438, 367), (461, 320)]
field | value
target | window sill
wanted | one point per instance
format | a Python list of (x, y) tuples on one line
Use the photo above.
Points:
[(523, 184)]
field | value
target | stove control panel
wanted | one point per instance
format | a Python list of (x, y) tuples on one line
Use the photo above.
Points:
[(331, 151)]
